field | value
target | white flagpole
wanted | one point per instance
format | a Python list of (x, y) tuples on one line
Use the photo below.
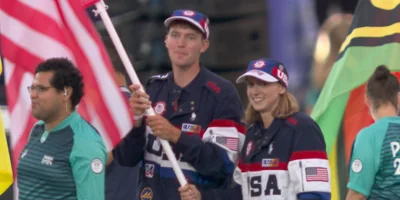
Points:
[(101, 10)]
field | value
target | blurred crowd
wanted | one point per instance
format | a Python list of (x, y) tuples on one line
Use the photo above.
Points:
[(330, 37)]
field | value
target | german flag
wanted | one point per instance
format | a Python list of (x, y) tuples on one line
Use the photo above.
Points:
[(373, 40)]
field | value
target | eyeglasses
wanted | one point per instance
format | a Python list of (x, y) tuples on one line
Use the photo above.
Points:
[(38, 89)]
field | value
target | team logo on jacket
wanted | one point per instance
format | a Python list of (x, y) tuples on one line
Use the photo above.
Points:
[(47, 160), (146, 194), (97, 165), (356, 166), (149, 170), (270, 162), (159, 108), (191, 128), (249, 147)]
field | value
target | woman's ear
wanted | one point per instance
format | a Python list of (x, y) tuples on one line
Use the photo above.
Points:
[(282, 90), (398, 101), (367, 101)]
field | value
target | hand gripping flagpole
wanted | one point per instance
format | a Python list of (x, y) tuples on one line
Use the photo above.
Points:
[(101, 10)]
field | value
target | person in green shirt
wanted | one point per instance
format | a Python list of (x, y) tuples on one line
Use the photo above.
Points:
[(64, 156), (374, 171)]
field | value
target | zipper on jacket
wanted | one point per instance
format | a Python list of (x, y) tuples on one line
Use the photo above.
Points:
[(302, 178)]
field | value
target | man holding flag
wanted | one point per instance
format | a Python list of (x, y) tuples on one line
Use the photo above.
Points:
[(198, 112)]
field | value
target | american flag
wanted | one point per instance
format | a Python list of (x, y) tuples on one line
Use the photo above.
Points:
[(87, 3), (229, 142), (32, 31), (317, 174)]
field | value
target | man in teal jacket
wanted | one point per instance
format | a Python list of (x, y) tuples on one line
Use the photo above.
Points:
[(64, 156)]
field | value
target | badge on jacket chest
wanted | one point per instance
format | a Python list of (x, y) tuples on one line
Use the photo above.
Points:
[(159, 108)]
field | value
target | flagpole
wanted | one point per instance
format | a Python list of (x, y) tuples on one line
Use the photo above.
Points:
[(101, 10)]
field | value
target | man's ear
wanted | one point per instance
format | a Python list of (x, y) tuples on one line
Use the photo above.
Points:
[(206, 44), (165, 41), (67, 93)]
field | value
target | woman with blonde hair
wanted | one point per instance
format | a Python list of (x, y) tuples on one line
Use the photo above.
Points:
[(284, 154)]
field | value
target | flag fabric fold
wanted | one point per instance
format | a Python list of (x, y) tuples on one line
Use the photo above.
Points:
[(88, 3), (33, 31), (373, 40)]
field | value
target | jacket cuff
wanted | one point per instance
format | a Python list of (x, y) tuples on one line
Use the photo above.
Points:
[(137, 132), (134, 134)]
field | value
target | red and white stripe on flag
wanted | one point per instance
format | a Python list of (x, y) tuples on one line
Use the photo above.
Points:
[(87, 3), (32, 31)]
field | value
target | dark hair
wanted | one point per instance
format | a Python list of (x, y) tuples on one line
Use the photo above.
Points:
[(382, 87), (65, 75), (180, 22)]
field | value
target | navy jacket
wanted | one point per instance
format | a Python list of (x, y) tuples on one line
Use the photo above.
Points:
[(287, 161), (208, 112)]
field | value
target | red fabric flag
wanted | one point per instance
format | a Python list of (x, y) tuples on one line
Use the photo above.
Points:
[(87, 3), (32, 31)]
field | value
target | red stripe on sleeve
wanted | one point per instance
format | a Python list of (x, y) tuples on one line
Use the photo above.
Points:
[(299, 155), (266, 164), (227, 123)]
